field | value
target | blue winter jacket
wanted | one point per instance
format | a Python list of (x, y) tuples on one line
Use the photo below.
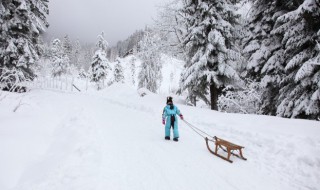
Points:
[(167, 113)]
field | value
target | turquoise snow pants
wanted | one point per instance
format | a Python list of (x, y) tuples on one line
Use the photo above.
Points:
[(174, 126)]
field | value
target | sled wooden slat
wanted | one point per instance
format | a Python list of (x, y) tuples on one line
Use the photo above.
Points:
[(227, 147)]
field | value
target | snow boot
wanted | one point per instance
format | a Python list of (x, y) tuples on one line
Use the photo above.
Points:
[(176, 139), (167, 138)]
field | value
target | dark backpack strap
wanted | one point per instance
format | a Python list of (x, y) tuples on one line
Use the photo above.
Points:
[(173, 118)]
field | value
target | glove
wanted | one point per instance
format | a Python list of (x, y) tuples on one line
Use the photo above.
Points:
[(163, 122), (181, 116)]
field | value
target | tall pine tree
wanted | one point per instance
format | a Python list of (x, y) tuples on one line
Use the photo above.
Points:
[(264, 50), (67, 48), (300, 88), (210, 45), (118, 72), (60, 60), (283, 56), (100, 63), (21, 23)]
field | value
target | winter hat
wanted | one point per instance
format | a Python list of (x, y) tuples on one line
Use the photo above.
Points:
[(169, 100)]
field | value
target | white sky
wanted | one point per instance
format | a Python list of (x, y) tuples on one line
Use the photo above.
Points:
[(85, 19)]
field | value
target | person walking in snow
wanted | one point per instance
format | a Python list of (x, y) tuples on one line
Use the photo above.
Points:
[(169, 119)]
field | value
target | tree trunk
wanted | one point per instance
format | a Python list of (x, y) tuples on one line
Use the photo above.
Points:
[(214, 96), (193, 100)]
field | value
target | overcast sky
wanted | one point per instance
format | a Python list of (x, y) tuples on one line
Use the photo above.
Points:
[(85, 19)]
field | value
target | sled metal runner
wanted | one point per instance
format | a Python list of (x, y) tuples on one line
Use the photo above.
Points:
[(226, 146)]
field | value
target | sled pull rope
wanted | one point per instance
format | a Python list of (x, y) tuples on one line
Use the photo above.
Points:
[(198, 131)]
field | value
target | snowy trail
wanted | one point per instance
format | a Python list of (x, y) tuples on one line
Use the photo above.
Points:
[(138, 148), (106, 141)]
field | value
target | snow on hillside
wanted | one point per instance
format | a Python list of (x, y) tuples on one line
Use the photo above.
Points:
[(114, 139)]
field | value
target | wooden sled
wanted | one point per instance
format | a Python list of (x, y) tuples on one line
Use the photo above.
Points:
[(225, 146)]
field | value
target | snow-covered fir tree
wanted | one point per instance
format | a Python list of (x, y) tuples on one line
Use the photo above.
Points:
[(211, 51), (150, 73), (118, 72), (300, 88), (67, 47), (100, 63), (60, 60), (21, 23), (264, 50), (282, 52)]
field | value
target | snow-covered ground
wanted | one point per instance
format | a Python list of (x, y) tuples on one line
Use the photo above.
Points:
[(114, 139)]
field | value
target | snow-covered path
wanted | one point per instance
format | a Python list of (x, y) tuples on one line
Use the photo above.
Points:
[(114, 140)]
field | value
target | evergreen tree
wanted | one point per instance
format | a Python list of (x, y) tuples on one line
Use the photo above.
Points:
[(300, 88), (150, 75), (60, 61), (100, 63), (264, 51), (283, 56), (67, 47), (118, 72), (211, 50), (21, 23)]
